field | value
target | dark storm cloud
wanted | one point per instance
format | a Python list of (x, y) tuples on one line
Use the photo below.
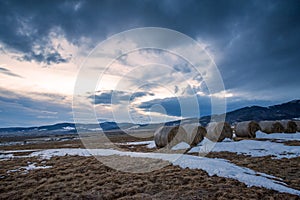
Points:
[(140, 94), (116, 97), (257, 41), (8, 72), (174, 106), (19, 110), (44, 57), (171, 106), (25, 24), (262, 57)]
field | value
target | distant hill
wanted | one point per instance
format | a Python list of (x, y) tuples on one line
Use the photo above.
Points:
[(62, 129), (289, 110)]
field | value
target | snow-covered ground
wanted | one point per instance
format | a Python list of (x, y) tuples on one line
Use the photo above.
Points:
[(213, 166), (253, 147), (33, 166), (26, 169), (149, 144), (181, 145), (279, 136), (5, 156), (249, 147), (19, 151), (11, 143)]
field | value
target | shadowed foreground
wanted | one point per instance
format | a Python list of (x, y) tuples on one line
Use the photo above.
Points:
[(74, 177)]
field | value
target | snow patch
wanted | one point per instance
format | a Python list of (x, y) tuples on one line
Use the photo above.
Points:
[(136, 143), (6, 156), (279, 136), (227, 140), (149, 144), (26, 169), (181, 145), (34, 167), (68, 128), (249, 147), (95, 129), (19, 151), (133, 127)]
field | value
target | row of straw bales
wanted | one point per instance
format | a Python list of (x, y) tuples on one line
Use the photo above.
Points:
[(283, 126), (248, 128), (192, 134), (168, 136), (271, 126)]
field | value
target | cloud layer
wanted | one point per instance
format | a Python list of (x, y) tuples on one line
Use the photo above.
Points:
[(255, 45)]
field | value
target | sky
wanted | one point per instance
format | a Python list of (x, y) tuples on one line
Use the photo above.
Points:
[(45, 45)]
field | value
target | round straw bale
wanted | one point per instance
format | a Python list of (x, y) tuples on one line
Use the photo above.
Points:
[(247, 129), (289, 126), (271, 127), (298, 125), (169, 135), (195, 133), (277, 127), (218, 131)]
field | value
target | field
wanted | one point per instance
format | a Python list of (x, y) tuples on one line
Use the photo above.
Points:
[(264, 168)]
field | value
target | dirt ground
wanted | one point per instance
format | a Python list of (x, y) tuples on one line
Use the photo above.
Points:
[(75, 177)]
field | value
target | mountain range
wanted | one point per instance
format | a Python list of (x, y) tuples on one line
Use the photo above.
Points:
[(289, 110)]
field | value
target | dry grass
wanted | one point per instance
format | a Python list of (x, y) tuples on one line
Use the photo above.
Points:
[(75, 143), (74, 177)]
